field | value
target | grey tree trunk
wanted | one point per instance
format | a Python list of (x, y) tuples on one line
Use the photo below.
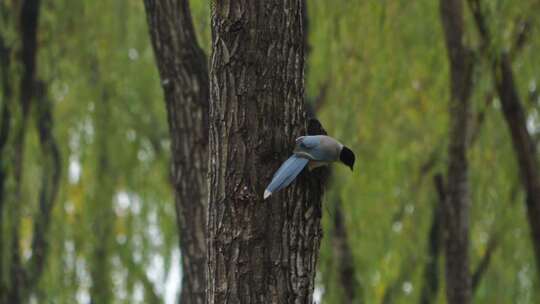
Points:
[(259, 251), (184, 77), (457, 202)]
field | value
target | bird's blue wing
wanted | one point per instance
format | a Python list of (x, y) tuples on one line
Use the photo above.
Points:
[(312, 147), (307, 142), (288, 171)]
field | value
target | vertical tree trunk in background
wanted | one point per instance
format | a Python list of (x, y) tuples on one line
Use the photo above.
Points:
[(431, 271), (5, 119), (342, 254), (29, 18), (457, 202), (102, 213), (184, 77), (341, 250), (516, 120), (50, 183), (14, 129), (259, 251), (524, 147)]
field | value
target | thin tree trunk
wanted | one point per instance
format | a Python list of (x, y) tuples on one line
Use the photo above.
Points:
[(259, 251), (5, 118), (524, 147), (341, 249), (5, 65), (516, 120), (342, 254), (14, 131), (49, 189), (184, 77), (24, 278), (431, 272), (103, 216), (29, 18), (457, 202), (483, 265)]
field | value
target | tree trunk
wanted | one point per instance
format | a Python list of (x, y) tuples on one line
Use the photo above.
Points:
[(516, 120), (524, 147), (102, 214), (431, 271), (457, 202), (5, 129), (50, 185), (342, 253), (259, 251), (13, 275), (184, 77)]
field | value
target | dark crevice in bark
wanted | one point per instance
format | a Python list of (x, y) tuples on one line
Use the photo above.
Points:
[(259, 251), (457, 203), (184, 77), (523, 143)]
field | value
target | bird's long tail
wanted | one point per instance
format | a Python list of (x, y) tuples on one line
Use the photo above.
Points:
[(288, 171)]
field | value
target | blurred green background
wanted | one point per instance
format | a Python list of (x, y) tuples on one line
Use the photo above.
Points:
[(379, 73)]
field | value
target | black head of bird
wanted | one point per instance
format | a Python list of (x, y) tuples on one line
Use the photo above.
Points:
[(346, 156)]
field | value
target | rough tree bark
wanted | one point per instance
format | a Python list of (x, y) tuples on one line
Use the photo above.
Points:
[(457, 202), (184, 78), (259, 251), (516, 120)]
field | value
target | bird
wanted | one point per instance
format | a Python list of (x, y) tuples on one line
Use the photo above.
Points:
[(314, 151)]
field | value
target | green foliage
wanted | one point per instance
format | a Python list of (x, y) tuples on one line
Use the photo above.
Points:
[(385, 66), (114, 217)]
